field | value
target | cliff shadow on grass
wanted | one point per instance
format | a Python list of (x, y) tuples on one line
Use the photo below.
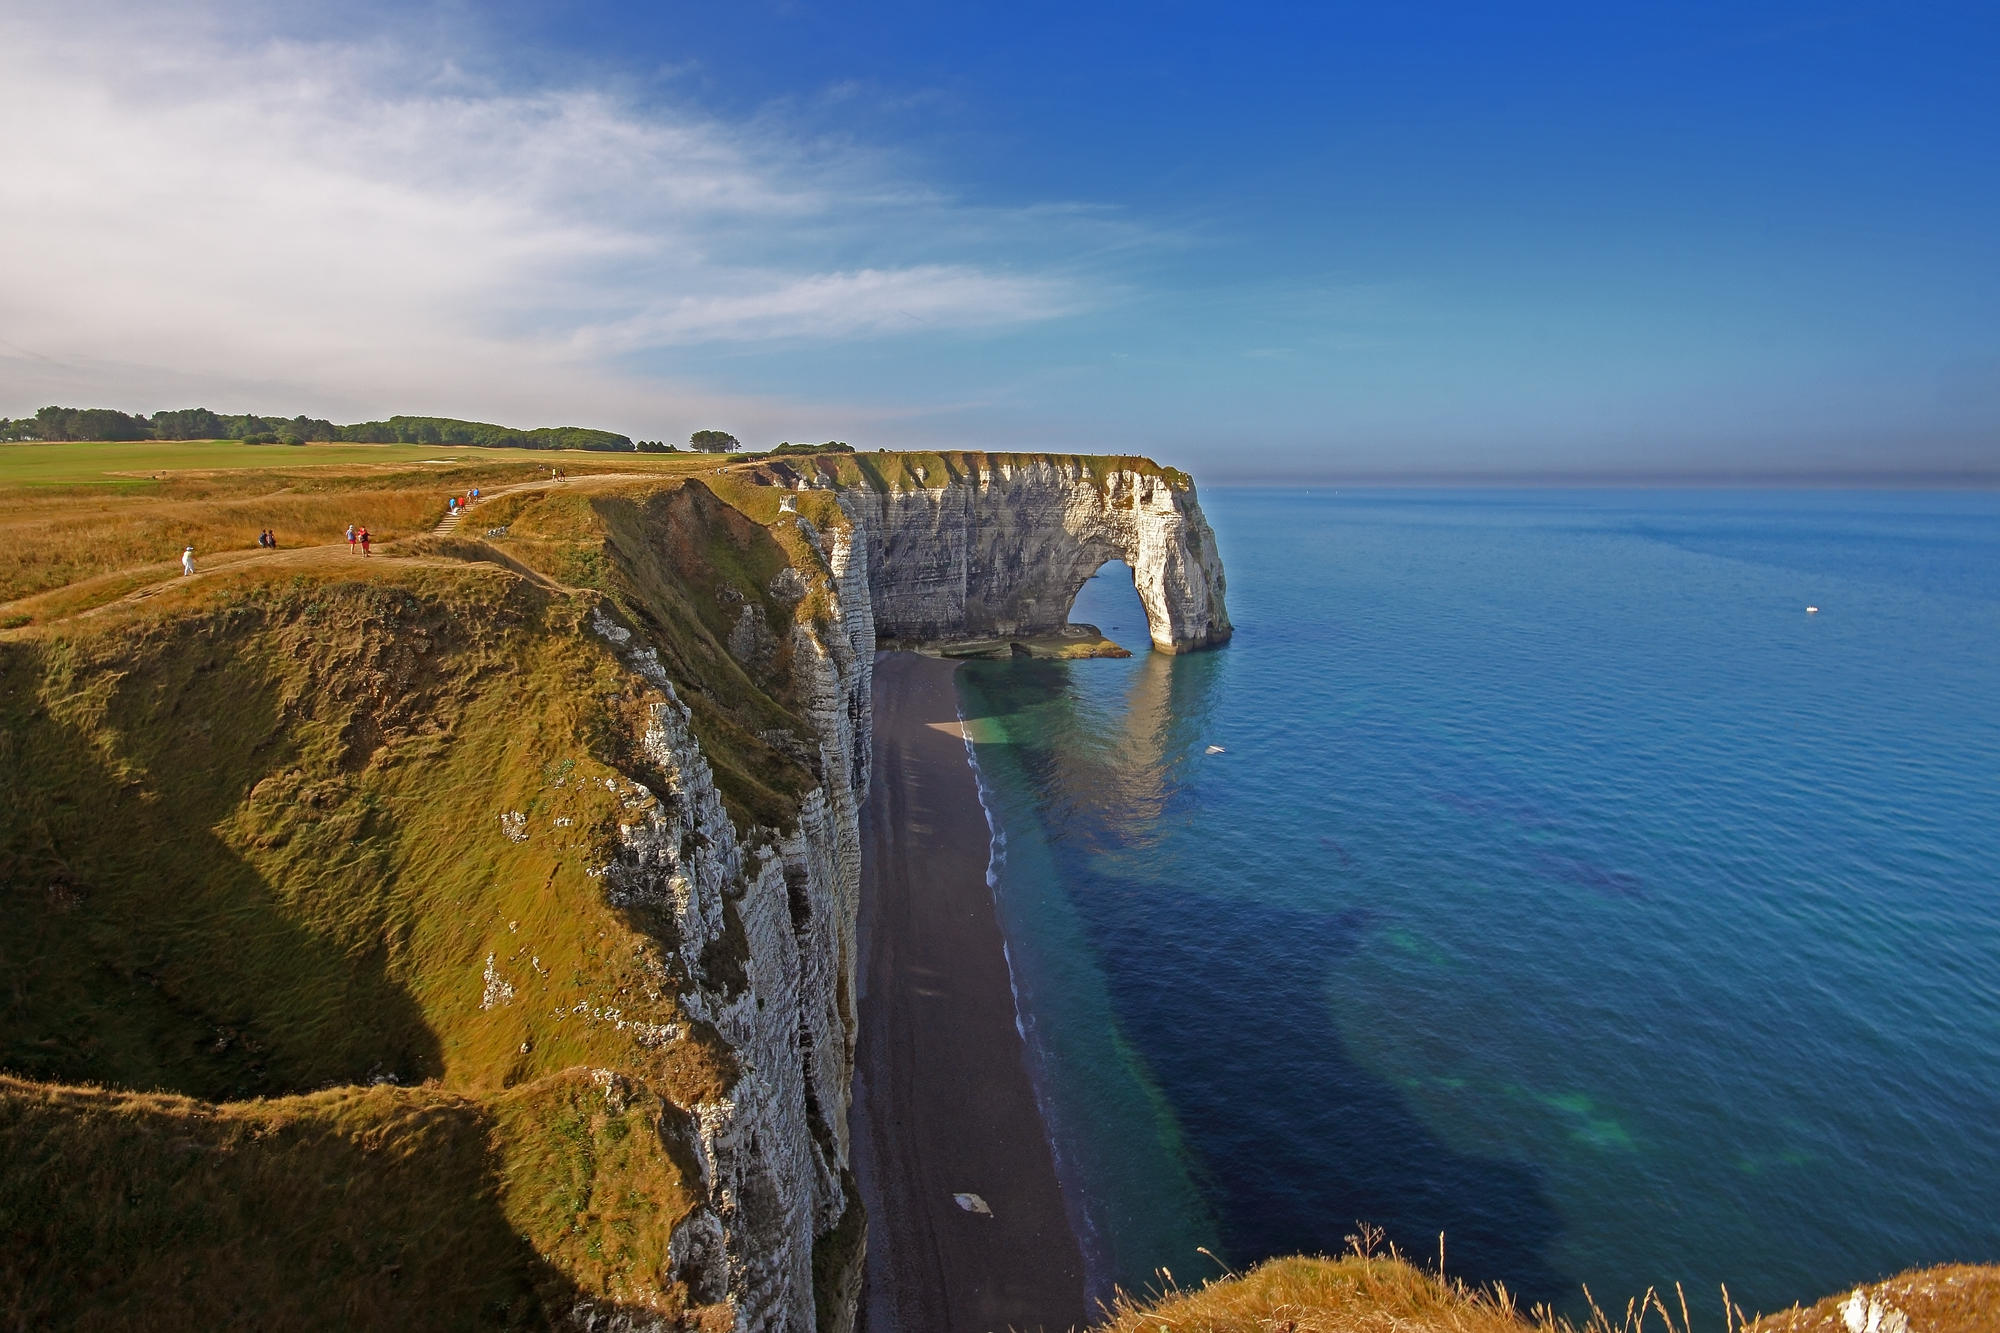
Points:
[(358, 1208), (250, 848), (709, 588), (364, 1208), (140, 949)]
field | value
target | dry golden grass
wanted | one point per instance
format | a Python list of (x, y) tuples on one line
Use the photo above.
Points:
[(278, 801), (1355, 1294), (54, 547), (1369, 1292), (1955, 1298), (359, 1207), (70, 548)]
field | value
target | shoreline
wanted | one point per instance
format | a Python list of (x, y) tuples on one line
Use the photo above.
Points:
[(944, 1103), (1098, 1280)]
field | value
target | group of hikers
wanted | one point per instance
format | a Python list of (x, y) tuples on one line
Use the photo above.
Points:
[(267, 539)]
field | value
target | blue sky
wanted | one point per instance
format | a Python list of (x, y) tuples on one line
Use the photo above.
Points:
[(1341, 241)]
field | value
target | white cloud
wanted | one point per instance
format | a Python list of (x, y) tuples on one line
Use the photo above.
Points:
[(866, 301), (351, 229)]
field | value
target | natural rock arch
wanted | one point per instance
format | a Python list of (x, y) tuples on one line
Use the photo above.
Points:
[(1001, 545)]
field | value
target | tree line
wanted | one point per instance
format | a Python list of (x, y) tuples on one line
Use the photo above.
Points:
[(198, 423), (722, 442)]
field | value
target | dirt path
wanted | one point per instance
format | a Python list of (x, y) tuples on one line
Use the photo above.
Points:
[(300, 556), (449, 523)]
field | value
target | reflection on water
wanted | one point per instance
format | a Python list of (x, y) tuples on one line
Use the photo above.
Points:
[(1243, 1093), (1128, 1176)]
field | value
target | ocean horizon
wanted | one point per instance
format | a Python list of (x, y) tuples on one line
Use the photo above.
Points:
[(1535, 868)]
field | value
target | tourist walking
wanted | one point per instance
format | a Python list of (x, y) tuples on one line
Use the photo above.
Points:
[(187, 561), (364, 541), (350, 539)]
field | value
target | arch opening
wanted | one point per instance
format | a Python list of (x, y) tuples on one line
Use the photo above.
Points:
[(1005, 559), (1109, 602)]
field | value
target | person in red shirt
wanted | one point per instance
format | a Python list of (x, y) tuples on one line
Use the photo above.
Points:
[(364, 541)]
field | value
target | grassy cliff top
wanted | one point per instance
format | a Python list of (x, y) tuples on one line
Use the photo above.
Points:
[(885, 470), (358, 1207)]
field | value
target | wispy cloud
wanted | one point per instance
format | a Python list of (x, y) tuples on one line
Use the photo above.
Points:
[(860, 303), (348, 227)]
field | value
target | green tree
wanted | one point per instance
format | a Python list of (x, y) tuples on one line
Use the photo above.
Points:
[(714, 441), (89, 423), (484, 435), (190, 423)]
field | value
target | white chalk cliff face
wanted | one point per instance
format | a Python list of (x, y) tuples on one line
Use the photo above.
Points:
[(773, 1152), (993, 552), (1001, 550)]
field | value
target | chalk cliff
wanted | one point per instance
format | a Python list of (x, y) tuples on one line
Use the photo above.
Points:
[(966, 546), (774, 1152)]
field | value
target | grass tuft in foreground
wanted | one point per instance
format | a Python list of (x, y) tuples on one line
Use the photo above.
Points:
[(1367, 1291)]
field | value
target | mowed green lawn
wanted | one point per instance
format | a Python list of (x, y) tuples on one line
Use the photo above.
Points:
[(134, 462)]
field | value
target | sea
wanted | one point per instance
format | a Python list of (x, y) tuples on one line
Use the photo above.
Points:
[(1537, 882)]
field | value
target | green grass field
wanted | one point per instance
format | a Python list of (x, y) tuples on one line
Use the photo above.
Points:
[(130, 463), (134, 462)]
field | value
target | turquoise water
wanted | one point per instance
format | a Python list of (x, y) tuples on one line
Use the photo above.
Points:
[(1561, 885)]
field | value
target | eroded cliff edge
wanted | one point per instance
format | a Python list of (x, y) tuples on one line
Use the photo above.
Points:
[(777, 1235)]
